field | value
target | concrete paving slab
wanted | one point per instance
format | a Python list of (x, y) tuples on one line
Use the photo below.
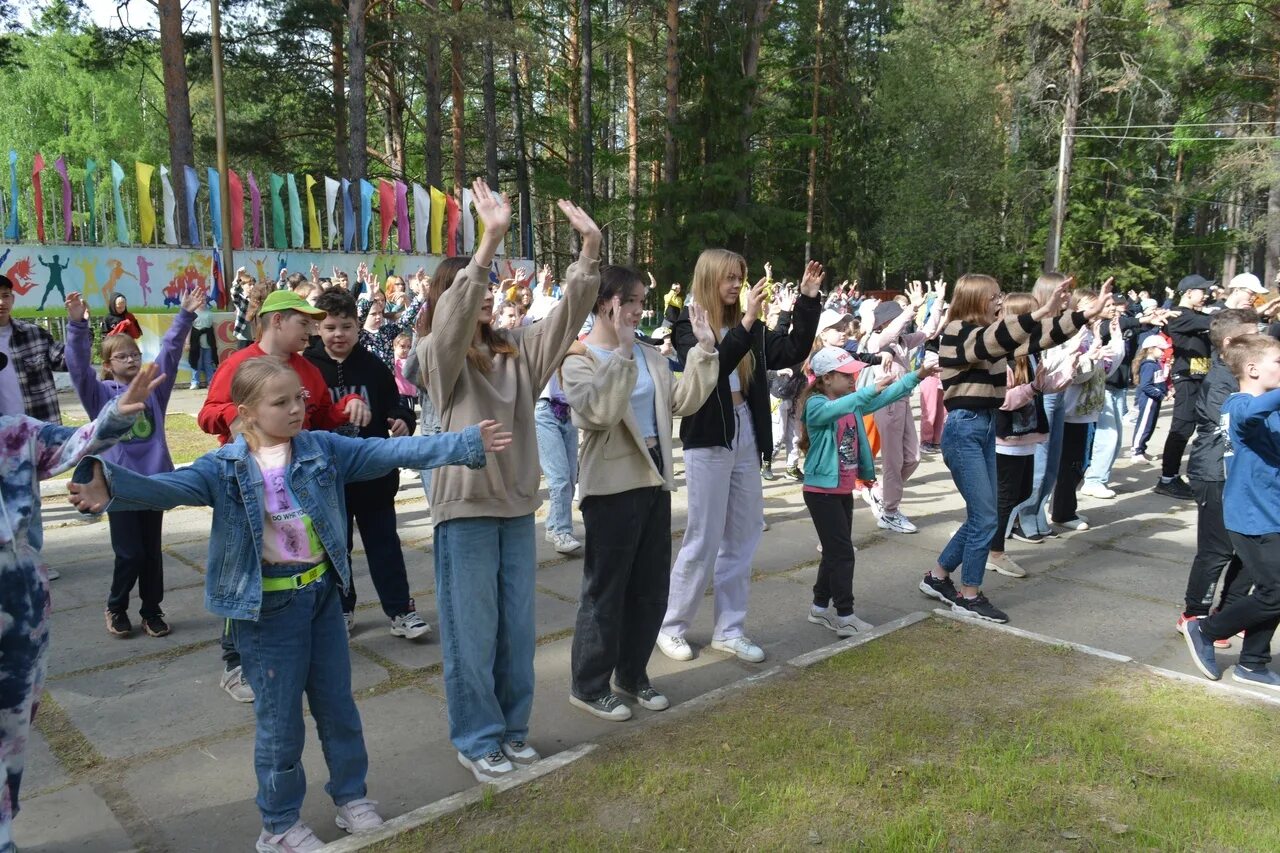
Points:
[(44, 770), (73, 819)]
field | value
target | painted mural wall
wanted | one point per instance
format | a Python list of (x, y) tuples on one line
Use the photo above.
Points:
[(43, 274)]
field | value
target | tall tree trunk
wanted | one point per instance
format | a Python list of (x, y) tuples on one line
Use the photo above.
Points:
[(1272, 266), (575, 87), (757, 12), (522, 158), (434, 155), (670, 164), (338, 52), (812, 190), (1067, 143), (587, 199), (177, 104), (459, 115), (490, 108), (633, 145), (358, 98)]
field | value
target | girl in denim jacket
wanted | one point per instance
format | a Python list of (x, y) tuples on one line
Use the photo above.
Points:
[(277, 563)]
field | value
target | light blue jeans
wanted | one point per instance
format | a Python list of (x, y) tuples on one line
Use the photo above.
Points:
[(1108, 435), (969, 450), (484, 594), (1032, 515), (558, 453)]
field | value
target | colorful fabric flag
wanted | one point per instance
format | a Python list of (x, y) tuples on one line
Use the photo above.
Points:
[(36, 166), (468, 223), (348, 218), (279, 238), (437, 221), (402, 217), (146, 210), (330, 202), (366, 213), (122, 227), (11, 233), (235, 198), (90, 190), (313, 221), (170, 204), (215, 205), (421, 219), (386, 210), (60, 166), (295, 213), (193, 189), (255, 213), (452, 214)]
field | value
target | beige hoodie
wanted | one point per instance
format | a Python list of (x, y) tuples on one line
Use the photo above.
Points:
[(507, 487)]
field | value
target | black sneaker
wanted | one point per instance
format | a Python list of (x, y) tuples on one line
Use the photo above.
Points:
[(155, 625), (1029, 538), (942, 589), (978, 608), (118, 624), (607, 707), (1176, 488)]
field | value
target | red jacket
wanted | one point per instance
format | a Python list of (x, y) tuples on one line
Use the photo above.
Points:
[(218, 412)]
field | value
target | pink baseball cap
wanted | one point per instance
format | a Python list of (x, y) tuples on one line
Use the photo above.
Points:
[(833, 359)]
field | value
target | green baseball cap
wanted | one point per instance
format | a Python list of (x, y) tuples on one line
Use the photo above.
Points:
[(287, 300)]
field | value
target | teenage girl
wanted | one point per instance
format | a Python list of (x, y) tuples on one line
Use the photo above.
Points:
[(135, 536), (1153, 384), (974, 350), (277, 565), (837, 455)]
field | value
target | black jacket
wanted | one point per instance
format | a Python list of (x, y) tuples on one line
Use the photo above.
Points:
[(713, 424), (363, 373), (1205, 462), (1130, 329), (1189, 332)]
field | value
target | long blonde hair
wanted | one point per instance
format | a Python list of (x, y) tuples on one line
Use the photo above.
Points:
[(972, 298), (249, 384), (711, 269)]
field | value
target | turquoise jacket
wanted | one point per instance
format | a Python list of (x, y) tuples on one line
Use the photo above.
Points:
[(821, 414)]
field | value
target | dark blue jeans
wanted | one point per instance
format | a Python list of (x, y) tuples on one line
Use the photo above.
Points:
[(969, 449), (299, 644), (372, 507)]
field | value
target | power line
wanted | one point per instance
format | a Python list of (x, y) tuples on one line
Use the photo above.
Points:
[(1173, 125), (1119, 138)]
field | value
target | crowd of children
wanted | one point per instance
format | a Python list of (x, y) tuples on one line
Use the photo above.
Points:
[(1023, 394)]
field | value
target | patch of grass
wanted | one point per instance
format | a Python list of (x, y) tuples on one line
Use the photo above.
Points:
[(938, 737), (187, 442)]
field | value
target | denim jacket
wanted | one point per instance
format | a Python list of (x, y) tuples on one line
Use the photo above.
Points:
[(228, 479)]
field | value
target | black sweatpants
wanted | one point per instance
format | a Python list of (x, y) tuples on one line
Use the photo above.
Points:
[(371, 505), (1183, 425), (833, 519), (626, 576), (136, 538), (1258, 612), (1015, 476), (1214, 552), (1071, 468)]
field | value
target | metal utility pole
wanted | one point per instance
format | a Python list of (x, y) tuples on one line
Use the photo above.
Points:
[(1067, 144), (220, 134)]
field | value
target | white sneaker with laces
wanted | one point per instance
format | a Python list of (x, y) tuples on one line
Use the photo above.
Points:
[(897, 522), (519, 752), (847, 626), (358, 816), (564, 542), (410, 625), (1097, 490), (237, 688), (488, 768), (296, 839), (1005, 565), (874, 500), (676, 648), (741, 647)]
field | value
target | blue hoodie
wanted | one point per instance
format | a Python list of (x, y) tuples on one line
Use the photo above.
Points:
[(1251, 497)]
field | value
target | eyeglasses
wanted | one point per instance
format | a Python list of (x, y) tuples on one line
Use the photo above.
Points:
[(125, 359)]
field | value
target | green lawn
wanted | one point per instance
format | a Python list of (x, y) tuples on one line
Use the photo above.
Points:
[(938, 737), (187, 442)]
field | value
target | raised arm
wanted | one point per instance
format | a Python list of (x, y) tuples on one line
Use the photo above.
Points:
[(93, 393)]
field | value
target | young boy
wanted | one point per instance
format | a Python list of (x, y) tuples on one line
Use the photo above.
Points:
[(348, 368), (1206, 475), (1251, 507)]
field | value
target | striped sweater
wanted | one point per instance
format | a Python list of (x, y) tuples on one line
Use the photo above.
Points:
[(974, 358)]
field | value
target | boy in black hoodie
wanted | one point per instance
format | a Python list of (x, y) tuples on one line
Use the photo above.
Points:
[(349, 368)]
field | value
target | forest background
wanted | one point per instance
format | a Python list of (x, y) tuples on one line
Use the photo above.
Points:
[(891, 139)]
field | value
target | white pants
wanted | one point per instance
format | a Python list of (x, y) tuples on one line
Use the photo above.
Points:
[(786, 423), (726, 505)]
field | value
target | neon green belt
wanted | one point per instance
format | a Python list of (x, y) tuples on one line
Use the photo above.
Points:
[(297, 581)]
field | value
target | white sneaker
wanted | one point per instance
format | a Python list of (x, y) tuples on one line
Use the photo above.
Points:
[(358, 816), (519, 752), (53, 574), (411, 626), (740, 647), (824, 616), (874, 500), (237, 688), (847, 626), (897, 522), (194, 386), (1097, 490), (676, 648), (296, 839), (564, 542), (489, 768), (1006, 565), (1077, 523)]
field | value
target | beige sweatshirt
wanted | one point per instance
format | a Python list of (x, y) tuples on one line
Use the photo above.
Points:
[(613, 457), (507, 487)]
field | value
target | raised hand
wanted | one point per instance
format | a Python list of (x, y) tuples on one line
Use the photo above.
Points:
[(924, 371), (134, 398), (811, 281), (494, 440), (702, 327), (77, 309), (768, 270), (92, 496), (315, 272), (584, 225), (195, 298), (1057, 301), (886, 379), (492, 207), (623, 326), (755, 304), (1103, 302), (915, 294)]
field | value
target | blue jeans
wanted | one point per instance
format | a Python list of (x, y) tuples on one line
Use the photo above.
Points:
[(1107, 437), (204, 366), (969, 449), (558, 452), (1032, 515), (299, 643), (484, 594)]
